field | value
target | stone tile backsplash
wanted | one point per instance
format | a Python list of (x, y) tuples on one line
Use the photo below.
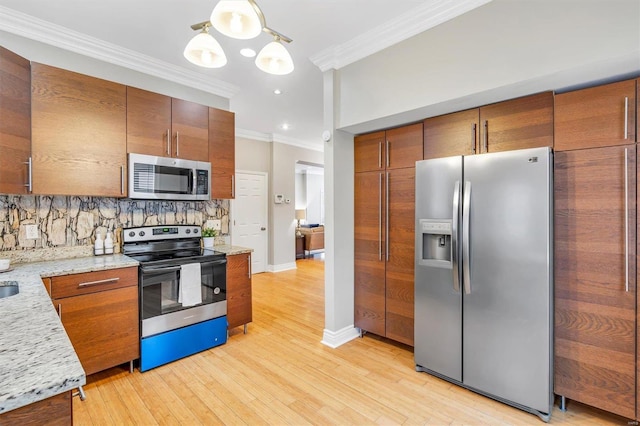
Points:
[(67, 225)]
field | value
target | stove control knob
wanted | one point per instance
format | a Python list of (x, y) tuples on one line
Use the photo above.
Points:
[(195, 230), (141, 233), (132, 234), (188, 231)]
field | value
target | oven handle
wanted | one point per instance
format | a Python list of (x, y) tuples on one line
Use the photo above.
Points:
[(165, 269), (214, 262)]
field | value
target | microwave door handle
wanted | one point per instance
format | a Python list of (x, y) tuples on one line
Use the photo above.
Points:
[(193, 181)]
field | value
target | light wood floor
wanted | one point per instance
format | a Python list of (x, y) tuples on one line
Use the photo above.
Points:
[(280, 373)]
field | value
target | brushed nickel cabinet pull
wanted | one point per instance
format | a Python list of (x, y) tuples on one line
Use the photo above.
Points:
[(380, 216), (90, 283), (233, 186), (60, 311), (486, 135), (386, 241), (29, 184), (473, 138), (626, 118), (388, 154), (626, 219), (249, 264), (122, 180), (168, 143), (177, 144), (380, 154)]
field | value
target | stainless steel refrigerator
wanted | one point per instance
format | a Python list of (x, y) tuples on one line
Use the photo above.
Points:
[(483, 274)]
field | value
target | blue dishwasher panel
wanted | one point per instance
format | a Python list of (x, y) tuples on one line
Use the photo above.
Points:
[(175, 344)]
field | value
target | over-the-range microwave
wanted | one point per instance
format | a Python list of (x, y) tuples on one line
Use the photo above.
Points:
[(163, 178)]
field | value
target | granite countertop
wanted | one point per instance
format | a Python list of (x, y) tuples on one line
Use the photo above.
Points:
[(37, 360), (230, 250)]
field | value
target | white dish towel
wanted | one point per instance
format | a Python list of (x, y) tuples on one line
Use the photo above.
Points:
[(190, 285)]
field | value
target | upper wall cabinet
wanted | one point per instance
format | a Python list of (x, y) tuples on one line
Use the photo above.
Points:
[(15, 123), (222, 153), (596, 117), (391, 149), (78, 134), (504, 126), (167, 127), (520, 123), (452, 134)]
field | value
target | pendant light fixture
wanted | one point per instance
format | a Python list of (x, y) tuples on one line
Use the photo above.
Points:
[(204, 50), (240, 19)]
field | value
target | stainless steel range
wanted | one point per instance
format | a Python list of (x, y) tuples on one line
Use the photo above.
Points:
[(183, 293)]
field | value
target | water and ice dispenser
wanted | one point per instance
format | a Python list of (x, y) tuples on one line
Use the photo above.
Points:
[(436, 248)]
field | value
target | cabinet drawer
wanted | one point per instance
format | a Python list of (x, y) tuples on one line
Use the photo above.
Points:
[(91, 282)]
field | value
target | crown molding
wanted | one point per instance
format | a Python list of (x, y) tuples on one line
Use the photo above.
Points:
[(426, 16), (274, 137), (30, 27)]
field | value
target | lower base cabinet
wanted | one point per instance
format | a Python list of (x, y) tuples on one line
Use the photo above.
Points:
[(99, 312), (53, 411), (239, 305)]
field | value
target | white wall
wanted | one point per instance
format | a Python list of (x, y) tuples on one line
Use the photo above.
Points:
[(502, 50), (315, 198)]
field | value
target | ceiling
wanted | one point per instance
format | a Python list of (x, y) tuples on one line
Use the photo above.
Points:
[(325, 33)]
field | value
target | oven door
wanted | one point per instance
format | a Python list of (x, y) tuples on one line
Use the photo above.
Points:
[(160, 309)]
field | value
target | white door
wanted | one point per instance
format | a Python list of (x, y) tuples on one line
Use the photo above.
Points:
[(249, 217)]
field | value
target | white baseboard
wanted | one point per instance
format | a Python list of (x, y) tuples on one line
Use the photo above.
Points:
[(281, 267), (333, 339)]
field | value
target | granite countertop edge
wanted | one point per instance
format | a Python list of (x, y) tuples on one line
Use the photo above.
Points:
[(37, 358), (230, 250)]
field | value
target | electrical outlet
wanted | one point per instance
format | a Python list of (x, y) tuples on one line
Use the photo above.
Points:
[(216, 224), (32, 232)]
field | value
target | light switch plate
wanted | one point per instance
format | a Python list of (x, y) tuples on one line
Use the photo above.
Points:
[(213, 224), (32, 232)]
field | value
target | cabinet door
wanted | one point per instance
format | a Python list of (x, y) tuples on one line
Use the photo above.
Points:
[(404, 146), (596, 117), (239, 305), (78, 134), (595, 304), (222, 153), (452, 134), (103, 327), (518, 124), (15, 122), (148, 123), (368, 152), (400, 235), (190, 126), (370, 252)]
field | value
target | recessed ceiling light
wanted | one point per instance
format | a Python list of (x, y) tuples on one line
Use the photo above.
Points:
[(249, 53), (277, 91), (285, 126)]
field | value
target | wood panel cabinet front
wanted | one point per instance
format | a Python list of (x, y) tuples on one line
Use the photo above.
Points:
[(519, 123), (452, 134), (239, 298), (404, 146), (369, 152), (78, 134), (166, 127), (399, 274), (370, 246), (54, 411), (222, 153), (596, 117), (15, 123), (99, 311), (595, 277)]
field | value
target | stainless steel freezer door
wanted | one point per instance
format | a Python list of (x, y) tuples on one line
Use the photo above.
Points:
[(438, 305), (507, 310)]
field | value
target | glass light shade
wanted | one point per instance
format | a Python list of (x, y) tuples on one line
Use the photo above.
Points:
[(274, 59), (236, 19), (203, 50)]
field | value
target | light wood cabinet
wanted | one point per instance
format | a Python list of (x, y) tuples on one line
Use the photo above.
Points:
[(520, 123), (78, 136), (595, 117), (15, 123), (222, 154), (99, 311), (595, 277), (166, 127), (384, 231), (239, 302)]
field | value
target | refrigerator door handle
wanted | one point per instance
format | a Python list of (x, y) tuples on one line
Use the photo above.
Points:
[(454, 237), (466, 244)]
